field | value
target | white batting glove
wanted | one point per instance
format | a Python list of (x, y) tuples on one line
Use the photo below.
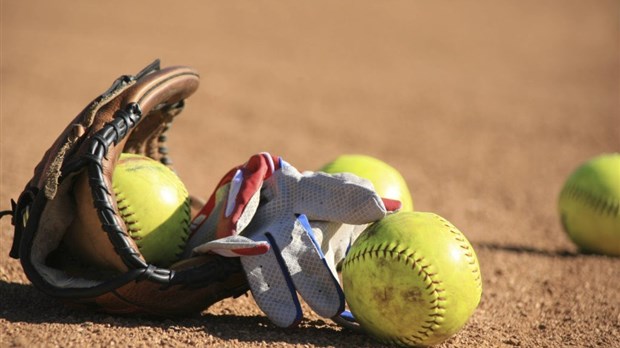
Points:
[(290, 230)]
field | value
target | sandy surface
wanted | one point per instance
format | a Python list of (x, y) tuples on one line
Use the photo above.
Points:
[(484, 106)]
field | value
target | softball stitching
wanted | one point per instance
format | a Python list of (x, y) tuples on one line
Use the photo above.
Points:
[(598, 203), (433, 286)]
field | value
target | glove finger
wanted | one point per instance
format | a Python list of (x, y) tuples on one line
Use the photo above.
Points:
[(244, 193), (310, 272), (239, 189), (335, 239), (233, 203), (341, 197), (238, 215), (233, 246), (272, 287)]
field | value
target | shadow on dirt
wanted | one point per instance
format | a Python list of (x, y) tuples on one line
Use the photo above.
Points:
[(309, 332), (24, 303), (521, 249)]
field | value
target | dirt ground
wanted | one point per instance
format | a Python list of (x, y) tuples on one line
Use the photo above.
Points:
[(484, 106)]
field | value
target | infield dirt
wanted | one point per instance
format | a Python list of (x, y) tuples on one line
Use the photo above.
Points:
[(485, 107)]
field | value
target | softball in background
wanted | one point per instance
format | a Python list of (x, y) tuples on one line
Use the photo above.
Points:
[(412, 279), (155, 206), (388, 182), (589, 205)]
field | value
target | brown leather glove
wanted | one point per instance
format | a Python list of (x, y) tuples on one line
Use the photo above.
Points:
[(68, 209)]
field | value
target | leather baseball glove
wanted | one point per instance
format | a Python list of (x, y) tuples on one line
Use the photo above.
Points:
[(68, 209)]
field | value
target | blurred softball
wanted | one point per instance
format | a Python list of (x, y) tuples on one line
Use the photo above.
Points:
[(589, 205), (412, 279), (388, 182), (154, 204)]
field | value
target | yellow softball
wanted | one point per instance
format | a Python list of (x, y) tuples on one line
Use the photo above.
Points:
[(589, 205), (154, 204), (412, 279)]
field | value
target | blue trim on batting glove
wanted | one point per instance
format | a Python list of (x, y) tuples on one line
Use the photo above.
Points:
[(303, 220), (310, 232), (348, 316), (287, 277)]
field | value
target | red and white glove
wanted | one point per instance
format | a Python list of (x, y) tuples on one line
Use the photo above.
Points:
[(290, 230)]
